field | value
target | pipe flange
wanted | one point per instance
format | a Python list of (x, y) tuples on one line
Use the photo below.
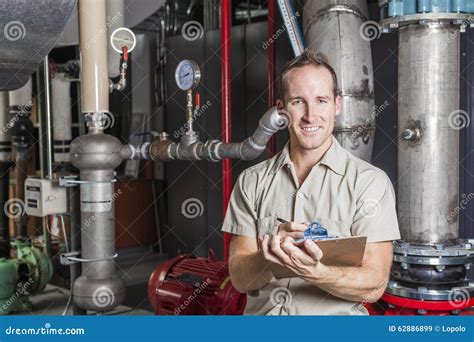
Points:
[(463, 248), (460, 19), (144, 151), (434, 261), (422, 293)]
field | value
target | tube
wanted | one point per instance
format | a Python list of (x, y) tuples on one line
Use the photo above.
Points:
[(332, 30), (226, 120), (115, 20), (428, 101), (60, 86), (93, 51)]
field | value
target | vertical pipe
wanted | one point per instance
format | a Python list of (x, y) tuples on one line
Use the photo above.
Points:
[(45, 117), (5, 164), (96, 155), (226, 112), (115, 19), (271, 68), (21, 135), (45, 135), (428, 101), (331, 29), (62, 131), (93, 52)]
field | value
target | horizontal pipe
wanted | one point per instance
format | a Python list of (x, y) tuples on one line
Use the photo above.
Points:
[(214, 150)]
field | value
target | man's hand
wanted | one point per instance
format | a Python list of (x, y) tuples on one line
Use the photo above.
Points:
[(292, 229), (283, 251)]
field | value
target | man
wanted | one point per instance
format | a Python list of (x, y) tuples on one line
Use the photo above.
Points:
[(313, 178)]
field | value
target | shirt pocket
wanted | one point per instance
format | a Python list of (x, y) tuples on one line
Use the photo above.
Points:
[(267, 225), (336, 228)]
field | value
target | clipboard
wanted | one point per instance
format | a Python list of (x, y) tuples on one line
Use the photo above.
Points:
[(346, 251)]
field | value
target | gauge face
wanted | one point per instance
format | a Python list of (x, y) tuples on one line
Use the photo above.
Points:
[(187, 75), (123, 37)]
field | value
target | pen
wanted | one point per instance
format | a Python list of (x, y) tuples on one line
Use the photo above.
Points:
[(281, 220)]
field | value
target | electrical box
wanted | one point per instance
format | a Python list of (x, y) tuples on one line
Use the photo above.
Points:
[(44, 197)]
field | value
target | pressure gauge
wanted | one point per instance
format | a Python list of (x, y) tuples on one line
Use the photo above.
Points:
[(123, 37), (187, 75)]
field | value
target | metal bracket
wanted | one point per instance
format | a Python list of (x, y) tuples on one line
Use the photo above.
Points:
[(69, 181), (75, 257)]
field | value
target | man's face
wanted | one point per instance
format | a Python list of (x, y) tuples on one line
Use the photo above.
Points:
[(310, 100)]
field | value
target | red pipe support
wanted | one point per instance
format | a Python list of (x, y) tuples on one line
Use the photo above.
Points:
[(226, 112), (271, 68)]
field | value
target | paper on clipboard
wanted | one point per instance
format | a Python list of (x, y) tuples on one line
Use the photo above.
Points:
[(347, 251)]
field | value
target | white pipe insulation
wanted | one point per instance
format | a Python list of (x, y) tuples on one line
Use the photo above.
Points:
[(62, 133), (115, 19), (21, 97)]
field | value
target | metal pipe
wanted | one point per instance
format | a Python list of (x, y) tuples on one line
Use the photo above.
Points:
[(5, 125), (332, 29), (46, 137), (271, 68), (45, 121), (428, 101), (226, 112), (22, 132), (5, 165), (164, 149), (96, 155)]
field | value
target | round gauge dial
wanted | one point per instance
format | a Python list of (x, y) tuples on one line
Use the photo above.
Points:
[(123, 37), (187, 75)]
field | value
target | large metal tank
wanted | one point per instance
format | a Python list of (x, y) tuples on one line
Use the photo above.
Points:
[(331, 28), (428, 124)]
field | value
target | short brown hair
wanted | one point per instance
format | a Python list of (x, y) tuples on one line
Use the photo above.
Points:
[(305, 59)]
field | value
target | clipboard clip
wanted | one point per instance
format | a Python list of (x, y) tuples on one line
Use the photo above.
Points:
[(315, 231)]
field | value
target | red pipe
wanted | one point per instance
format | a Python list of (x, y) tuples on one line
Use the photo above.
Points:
[(226, 113), (271, 68)]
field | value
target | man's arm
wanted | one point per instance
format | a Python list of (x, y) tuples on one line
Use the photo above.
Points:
[(366, 283), (247, 265), (248, 268), (361, 284)]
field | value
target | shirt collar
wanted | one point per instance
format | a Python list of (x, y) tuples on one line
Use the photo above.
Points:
[(335, 158)]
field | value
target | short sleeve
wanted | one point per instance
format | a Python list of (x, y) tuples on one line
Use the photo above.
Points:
[(241, 218), (376, 215)]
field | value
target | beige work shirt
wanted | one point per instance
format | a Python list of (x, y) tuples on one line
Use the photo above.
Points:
[(346, 194)]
